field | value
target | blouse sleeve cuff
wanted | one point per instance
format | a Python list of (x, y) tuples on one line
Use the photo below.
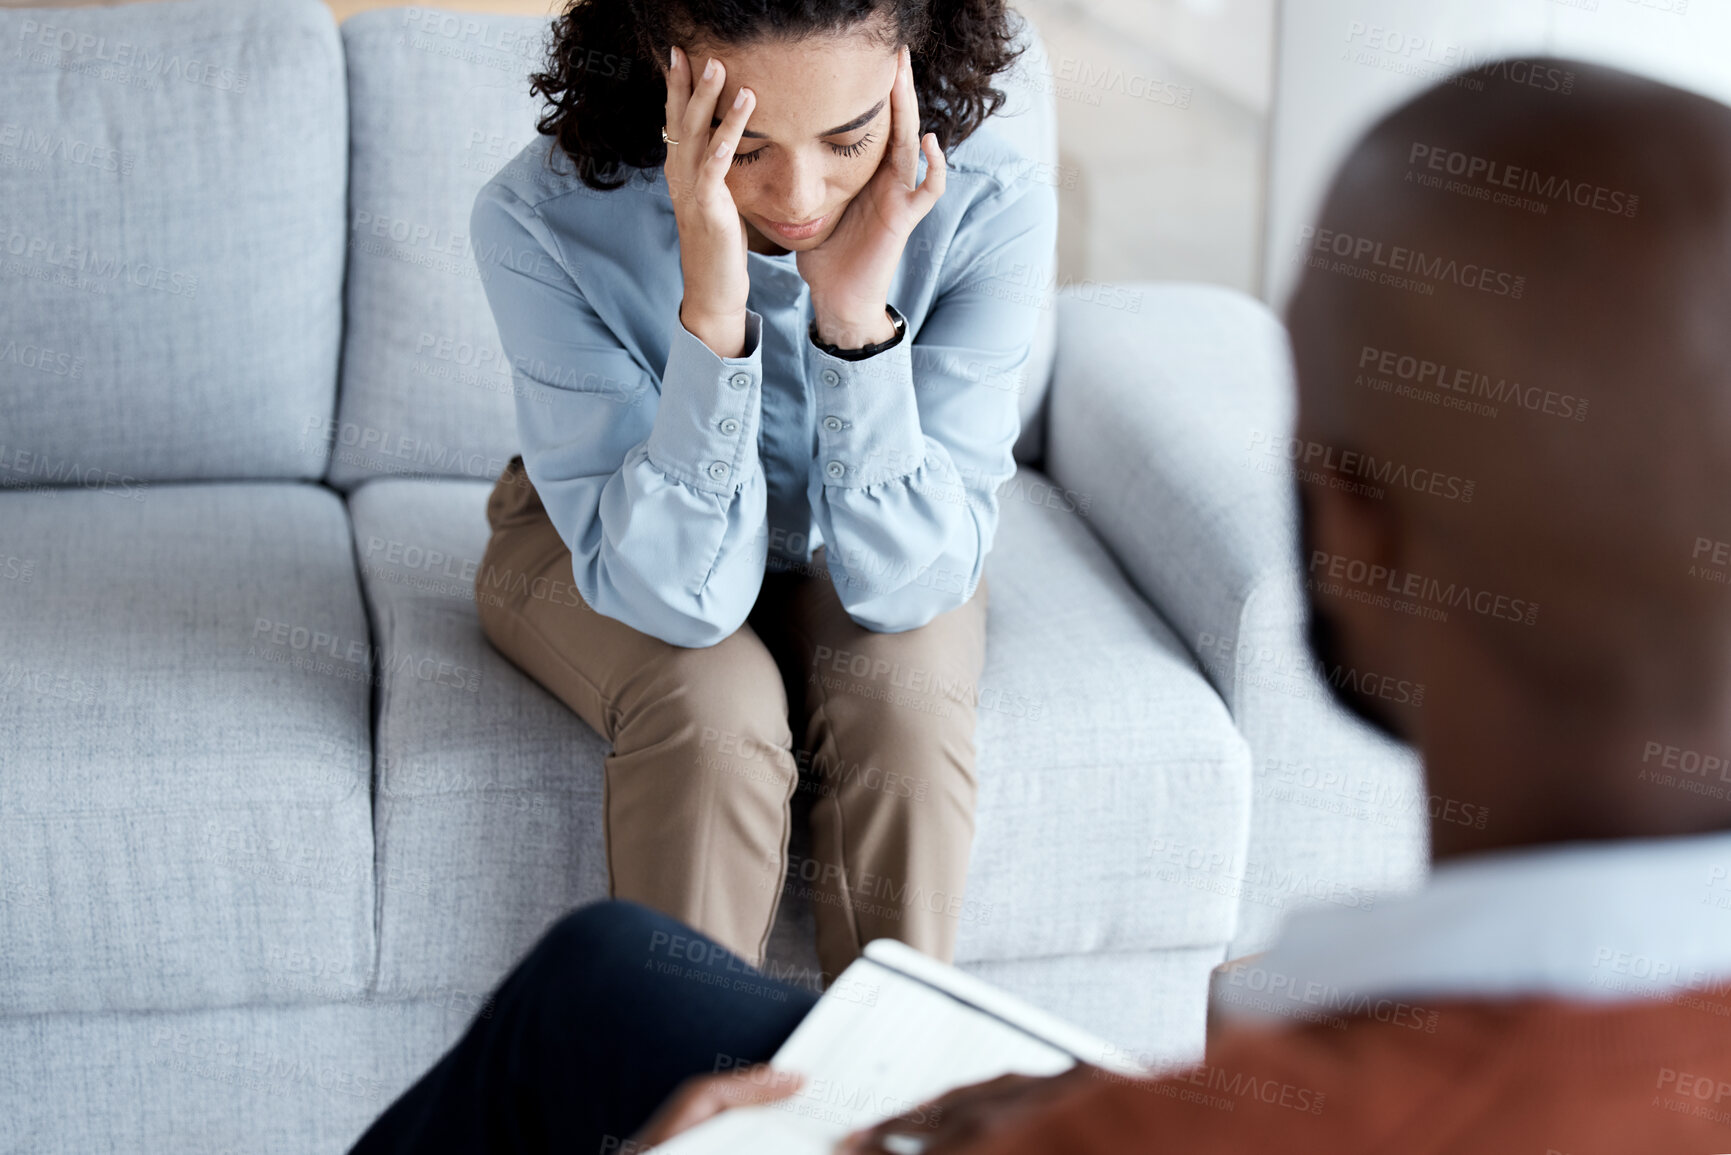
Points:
[(868, 421), (705, 430)]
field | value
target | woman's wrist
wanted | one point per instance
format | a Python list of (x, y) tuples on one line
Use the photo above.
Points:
[(897, 329), (724, 334), (847, 332)]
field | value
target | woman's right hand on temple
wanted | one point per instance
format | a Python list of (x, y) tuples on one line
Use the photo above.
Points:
[(711, 234)]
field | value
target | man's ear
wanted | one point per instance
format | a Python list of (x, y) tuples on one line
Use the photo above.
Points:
[(1353, 547), (1345, 523)]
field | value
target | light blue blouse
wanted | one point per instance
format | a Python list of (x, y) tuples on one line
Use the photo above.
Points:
[(677, 477)]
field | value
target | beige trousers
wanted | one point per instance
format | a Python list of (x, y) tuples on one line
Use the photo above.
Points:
[(704, 766)]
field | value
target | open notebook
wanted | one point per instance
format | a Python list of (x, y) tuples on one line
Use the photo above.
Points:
[(895, 1030)]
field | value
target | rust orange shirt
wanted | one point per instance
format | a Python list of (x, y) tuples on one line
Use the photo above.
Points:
[(1530, 1076)]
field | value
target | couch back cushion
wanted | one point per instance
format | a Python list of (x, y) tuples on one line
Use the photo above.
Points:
[(172, 182), (440, 103), (1030, 119)]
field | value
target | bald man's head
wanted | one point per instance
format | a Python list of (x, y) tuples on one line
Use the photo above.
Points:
[(1513, 342)]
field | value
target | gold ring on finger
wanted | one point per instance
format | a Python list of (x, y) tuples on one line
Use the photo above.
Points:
[(665, 139)]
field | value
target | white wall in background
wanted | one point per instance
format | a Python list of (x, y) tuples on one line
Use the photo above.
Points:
[(1227, 44), (1161, 133), (1341, 64)]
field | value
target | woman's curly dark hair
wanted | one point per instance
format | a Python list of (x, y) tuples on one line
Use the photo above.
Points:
[(606, 94)]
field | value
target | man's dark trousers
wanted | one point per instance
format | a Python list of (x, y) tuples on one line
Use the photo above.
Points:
[(605, 1017)]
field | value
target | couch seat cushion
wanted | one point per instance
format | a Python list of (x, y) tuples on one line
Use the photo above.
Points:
[(184, 811), (1103, 753), (488, 806)]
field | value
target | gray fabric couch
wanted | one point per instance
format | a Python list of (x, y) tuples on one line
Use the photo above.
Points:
[(274, 817)]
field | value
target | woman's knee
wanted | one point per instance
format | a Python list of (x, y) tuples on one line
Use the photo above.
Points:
[(725, 701), (894, 753), (495, 597)]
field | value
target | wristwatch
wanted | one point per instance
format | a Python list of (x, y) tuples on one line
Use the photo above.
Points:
[(863, 351)]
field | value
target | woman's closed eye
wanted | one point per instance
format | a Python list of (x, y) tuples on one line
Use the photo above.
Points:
[(855, 148), (848, 150)]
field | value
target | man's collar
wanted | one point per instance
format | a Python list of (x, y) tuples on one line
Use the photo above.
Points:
[(1599, 921)]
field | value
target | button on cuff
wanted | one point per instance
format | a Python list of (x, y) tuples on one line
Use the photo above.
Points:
[(868, 427), (707, 413)]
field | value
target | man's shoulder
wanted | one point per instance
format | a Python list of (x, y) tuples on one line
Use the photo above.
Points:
[(1604, 1067), (1341, 1085)]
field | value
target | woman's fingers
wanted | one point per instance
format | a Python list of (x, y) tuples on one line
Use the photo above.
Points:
[(704, 155), (936, 170), (699, 115), (724, 141), (678, 90), (904, 146)]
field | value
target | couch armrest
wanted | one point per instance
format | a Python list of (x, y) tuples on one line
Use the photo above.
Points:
[(1152, 412), (1165, 398)]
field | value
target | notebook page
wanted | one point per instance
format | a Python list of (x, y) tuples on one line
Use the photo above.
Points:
[(969, 989), (879, 1043), (899, 1043)]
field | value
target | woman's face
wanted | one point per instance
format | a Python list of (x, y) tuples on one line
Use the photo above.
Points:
[(816, 135)]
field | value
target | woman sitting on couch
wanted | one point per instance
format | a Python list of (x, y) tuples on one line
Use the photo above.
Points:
[(762, 298)]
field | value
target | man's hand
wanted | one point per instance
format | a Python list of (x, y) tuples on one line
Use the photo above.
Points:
[(707, 1096), (966, 1115)]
